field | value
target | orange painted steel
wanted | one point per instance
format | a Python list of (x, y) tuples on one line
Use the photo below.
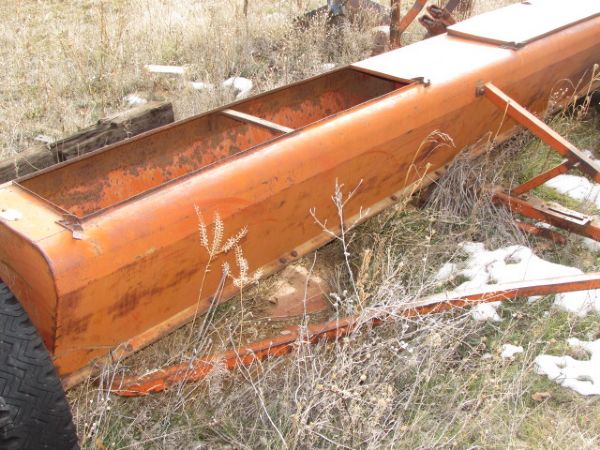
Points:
[(549, 212), (545, 233), (106, 251), (518, 113), (245, 356), (540, 179), (410, 16)]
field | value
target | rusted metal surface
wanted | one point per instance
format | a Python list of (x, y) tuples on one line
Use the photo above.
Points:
[(433, 27), (540, 179), (256, 121), (438, 19), (138, 269), (106, 131), (119, 173), (410, 16), (525, 118), (395, 17), (549, 212), (543, 232), (441, 14), (247, 355), (399, 23)]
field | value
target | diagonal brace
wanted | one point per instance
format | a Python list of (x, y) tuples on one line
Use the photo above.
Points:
[(525, 118), (540, 179)]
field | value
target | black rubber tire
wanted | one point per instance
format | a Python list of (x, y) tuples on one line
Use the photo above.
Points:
[(34, 412)]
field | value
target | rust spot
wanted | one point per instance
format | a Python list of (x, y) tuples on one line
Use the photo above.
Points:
[(116, 174), (294, 253), (76, 326), (70, 302), (283, 260), (125, 305), (132, 299)]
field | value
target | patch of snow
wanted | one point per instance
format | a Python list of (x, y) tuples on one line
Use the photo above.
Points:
[(157, 68), (135, 100), (328, 66), (446, 272), (590, 244), (509, 350), (241, 85), (384, 29), (576, 187), (580, 303), (581, 376), (202, 86), (486, 311), (512, 264), (44, 139)]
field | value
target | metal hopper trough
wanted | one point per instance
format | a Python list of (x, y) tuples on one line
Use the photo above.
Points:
[(102, 251)]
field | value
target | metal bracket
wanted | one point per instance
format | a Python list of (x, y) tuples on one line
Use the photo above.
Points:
[(516, 200), (72, 223), (567, 214), (422, 80), (513, 45)]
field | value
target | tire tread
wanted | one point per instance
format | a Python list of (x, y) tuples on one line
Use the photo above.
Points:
[(34, 412)]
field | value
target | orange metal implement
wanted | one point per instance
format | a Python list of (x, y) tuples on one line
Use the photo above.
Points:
[(546, 233), (106, 253), (281, 345), (542, 131), (399, 24), (548, 212)]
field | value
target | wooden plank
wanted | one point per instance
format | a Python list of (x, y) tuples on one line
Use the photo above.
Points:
[(256, 121), (107, 131)]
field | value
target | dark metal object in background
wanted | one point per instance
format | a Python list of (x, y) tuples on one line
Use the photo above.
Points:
[(336, 7), (350, 10), (439, 18)]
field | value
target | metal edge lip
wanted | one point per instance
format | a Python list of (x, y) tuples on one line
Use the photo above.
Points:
[(455, 30), (85, 217)]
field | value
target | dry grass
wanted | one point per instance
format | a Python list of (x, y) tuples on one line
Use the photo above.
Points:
[(66, 64), (420, 383)]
